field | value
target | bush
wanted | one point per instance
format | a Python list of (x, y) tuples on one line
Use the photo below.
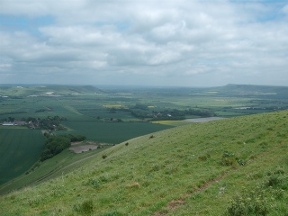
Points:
[(54, 145), (262, 199), (113, 213), (85, 208), (228, 159), (95, 183), (204, 157), (241, 162), (274, 181), (278, 180), (249, 203)]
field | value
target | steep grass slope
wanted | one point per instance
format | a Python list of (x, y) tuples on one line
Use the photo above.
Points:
[(236, 167)]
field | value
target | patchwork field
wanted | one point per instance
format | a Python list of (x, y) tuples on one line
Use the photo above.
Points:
[(111, 115)]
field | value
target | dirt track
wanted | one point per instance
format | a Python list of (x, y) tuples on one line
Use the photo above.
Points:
[(80, 147)]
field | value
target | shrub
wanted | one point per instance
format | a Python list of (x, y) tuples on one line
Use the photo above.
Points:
[(241, 162), (249, 203), (263, 145), (94, 183), (114, 213), (274, 181), (228, 159), (85, 208), (155, 167), (277, 180), (104, 156), (204, 157)]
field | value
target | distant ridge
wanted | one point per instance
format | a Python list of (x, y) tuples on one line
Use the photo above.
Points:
[(252, 90), (47, 90)]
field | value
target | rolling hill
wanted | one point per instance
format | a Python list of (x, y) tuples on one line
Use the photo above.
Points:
[(49, 90), (252, 91), (236, 166)]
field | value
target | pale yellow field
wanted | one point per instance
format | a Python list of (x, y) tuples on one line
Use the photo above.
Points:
[(171, 122), (115, 106)]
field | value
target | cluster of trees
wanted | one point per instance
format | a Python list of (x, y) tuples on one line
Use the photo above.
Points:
[(48, 123), (140, 111), (56, 144)]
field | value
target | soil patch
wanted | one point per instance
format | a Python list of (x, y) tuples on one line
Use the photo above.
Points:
[(80, 147)]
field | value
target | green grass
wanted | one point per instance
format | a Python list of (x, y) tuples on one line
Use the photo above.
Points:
[(179, 171), (19, 150)]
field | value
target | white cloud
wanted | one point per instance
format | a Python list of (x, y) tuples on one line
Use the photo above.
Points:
[(191, 39), (285, 9)]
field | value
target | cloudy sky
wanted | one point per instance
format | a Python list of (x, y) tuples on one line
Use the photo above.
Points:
[(144, 42)]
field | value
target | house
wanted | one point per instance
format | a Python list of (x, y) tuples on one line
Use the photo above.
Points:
[(8, 124)]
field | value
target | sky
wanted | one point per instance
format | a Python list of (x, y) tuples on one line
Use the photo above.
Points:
[(189, 43)]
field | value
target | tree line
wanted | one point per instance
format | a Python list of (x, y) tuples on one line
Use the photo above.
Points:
[(56, 144)]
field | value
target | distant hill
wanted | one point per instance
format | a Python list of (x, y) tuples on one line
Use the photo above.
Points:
[(252, 90), (236, 166), (62, 90), (46, 90)]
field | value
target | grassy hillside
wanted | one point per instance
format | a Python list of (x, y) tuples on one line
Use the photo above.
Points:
[(237, 166)]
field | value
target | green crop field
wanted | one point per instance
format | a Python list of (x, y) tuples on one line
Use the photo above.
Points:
[(62, 163), (19, 150), (113, 132)]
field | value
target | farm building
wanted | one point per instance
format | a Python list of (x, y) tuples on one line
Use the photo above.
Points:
[(8, 124)]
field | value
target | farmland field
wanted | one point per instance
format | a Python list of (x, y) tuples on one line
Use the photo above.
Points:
[(114, 132), (19, 150), (64, 162), (114, 115)]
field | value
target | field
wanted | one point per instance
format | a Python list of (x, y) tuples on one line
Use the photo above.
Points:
[(114, 115), (128, 104), (213, 168), (113, 132), (40, 172), (19, 150)]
